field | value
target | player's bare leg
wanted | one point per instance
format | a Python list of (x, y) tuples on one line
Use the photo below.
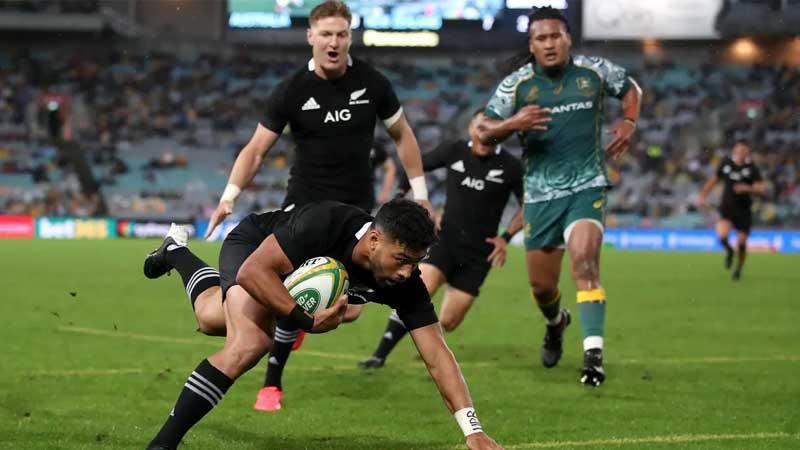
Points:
[(583, 244), (544, 271), (741, 254), (454, 308), (433, 278), (249, 336), (724, 227), (200, 280), (208, 309)]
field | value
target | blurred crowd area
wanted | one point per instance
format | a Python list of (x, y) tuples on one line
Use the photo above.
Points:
[(160, 132)]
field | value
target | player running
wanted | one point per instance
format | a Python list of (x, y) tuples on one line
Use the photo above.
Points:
[(741, 180), (330, 106), (554, 103), (244, 300), (480, 179)]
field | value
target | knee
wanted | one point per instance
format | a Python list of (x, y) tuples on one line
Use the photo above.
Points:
[(450, 323), (209, 323), (544, 292)]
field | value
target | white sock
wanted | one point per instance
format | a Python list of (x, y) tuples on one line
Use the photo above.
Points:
[(593, 342)]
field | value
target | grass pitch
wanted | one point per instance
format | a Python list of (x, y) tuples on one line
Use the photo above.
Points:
[(94, 356)]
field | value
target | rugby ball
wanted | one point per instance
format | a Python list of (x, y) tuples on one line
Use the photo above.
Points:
[(317, 283)]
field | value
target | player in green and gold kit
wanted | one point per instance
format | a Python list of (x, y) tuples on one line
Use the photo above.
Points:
[(554, 103)]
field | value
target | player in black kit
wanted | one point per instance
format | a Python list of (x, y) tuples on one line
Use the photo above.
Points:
[(741, 179), (480, 179), (331, 107), (381, 256)]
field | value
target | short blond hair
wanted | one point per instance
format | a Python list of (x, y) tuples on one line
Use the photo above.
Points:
[(330, 8)]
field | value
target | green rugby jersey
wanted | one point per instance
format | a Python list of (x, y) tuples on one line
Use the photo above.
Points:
[(569, 156)]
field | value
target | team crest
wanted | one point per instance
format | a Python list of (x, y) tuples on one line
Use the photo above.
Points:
[(533, 94), (527, 230), (598, 204), (584, 85)]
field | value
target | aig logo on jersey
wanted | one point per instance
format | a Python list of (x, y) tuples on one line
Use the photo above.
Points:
[(341, 115), (473, 183)]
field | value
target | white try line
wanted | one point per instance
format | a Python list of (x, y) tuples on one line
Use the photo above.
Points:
[(667, 439), (85, 372), (349, 357)]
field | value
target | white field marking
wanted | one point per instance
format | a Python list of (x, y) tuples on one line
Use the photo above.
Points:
[(350, 357), (84, 372), (668, 439), (175, 340)]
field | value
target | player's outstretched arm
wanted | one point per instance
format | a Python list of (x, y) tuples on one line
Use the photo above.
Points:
[(244, 169), (498, 255), (701, 196), (447, 375), (410, 159), (623, 130)]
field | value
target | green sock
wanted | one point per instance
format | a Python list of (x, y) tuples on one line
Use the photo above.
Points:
[(592, 311), (593, 317), (551, 309)]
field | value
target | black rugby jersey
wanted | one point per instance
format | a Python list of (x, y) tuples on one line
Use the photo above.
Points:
[(333, 125), (333, 229), (731, 173), (477, 191)]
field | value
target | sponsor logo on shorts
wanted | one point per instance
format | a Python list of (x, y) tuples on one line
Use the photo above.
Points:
[(597, 204)]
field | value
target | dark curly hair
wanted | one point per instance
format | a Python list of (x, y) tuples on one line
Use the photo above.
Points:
[(406, 222), (536, 14)]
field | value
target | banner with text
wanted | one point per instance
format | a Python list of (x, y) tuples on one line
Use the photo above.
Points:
[(785, 241), (17, 227), (72, 228)]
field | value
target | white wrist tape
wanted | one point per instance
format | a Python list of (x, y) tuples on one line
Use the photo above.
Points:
[(419, 187), (468, 421), (230, 193)]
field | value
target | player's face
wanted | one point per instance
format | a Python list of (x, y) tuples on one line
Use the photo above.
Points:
[(330, 42), (549, 43), (478, 149), (390, 262), (740, 153)]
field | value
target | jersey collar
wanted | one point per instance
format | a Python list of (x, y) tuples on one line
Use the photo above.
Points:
[(311, 64), (537, 69)]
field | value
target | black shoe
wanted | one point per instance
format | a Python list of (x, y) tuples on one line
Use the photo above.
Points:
[(372, 363), (155, 264), (737, 274), (593, 373), (553, 347), (159, 447), (728, 259)]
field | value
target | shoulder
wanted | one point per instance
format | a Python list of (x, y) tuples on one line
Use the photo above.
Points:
[(512, 80), (603, 67), (298, 76), (363, 69)]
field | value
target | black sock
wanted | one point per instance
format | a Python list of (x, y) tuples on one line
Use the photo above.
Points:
[(197, 276), (742, 255), (285, 335), (202, 392), (395, 330), (725, 244)]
